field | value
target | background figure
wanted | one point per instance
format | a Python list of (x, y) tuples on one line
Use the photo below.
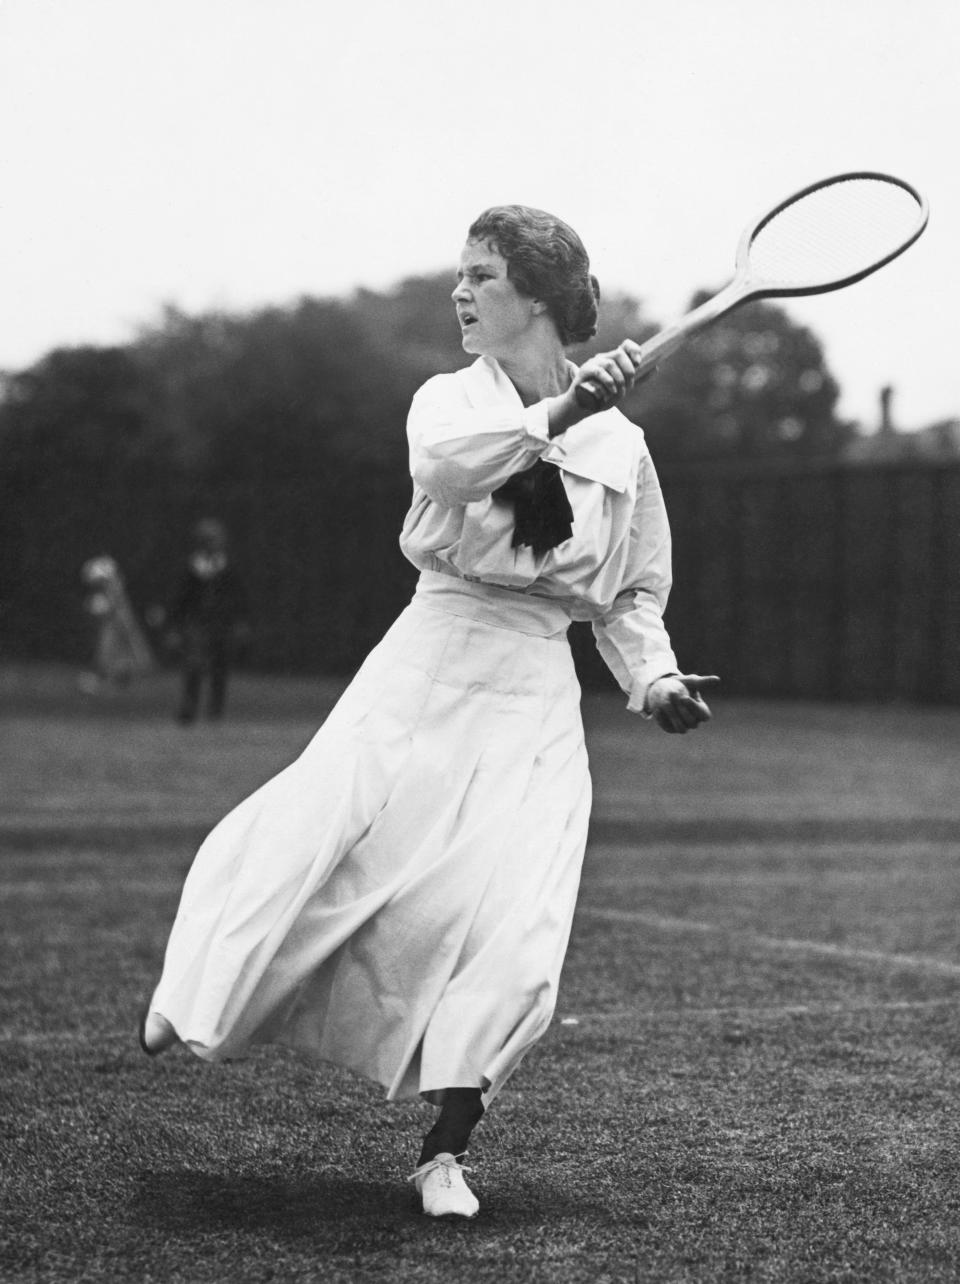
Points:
[(207, 622), (120, 649)]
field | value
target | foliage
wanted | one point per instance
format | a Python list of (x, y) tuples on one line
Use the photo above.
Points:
[(280, 391), (754, 384), (76, 406), (326, 383), (288, 423)]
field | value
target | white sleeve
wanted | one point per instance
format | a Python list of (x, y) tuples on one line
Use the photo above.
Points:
[(459, 454), (631, 636)]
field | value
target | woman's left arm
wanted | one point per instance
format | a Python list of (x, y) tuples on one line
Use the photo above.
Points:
[(631, 636)]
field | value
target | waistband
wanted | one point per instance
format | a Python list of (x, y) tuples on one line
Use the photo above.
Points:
[(490, 604)]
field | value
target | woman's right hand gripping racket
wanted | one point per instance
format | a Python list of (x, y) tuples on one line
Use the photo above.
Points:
[(822, 238)]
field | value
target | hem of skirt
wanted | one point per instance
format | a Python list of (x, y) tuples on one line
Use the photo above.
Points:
[(435, 1096), (392, 1087), (243, 1051)]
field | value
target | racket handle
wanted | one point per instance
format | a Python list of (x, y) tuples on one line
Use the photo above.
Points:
[(589, 396)]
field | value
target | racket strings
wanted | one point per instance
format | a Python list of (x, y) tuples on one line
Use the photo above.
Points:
[(834, 232)]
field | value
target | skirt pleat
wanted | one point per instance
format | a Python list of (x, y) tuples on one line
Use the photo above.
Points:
[(398, 900)]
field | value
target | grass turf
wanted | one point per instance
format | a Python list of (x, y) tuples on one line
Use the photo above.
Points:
[(753, 1073)]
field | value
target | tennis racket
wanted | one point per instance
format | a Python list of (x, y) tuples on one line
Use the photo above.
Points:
[(822, 238)]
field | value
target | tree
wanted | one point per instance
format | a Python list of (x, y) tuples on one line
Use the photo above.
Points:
[(754, 384), (323, 387), (282, 390), (75, 406), (417, 323)]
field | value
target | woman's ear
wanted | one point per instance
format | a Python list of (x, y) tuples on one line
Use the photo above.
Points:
[(539, 307)]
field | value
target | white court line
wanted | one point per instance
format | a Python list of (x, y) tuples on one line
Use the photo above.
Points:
[(58, 1039), (659, 922), (779, 878), (105, 1041), (94, 884), (735, 1011), (664, 923)]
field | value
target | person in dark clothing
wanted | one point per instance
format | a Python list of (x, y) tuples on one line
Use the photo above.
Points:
[(207, 622)]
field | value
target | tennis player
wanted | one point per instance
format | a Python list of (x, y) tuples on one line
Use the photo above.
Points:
[(398, 900)]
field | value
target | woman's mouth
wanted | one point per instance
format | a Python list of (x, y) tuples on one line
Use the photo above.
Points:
[(467, 319)]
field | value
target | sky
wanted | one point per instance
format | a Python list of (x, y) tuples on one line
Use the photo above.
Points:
[(239, 153)]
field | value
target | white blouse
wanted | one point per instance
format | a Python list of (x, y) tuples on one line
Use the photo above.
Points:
[(468, 432)]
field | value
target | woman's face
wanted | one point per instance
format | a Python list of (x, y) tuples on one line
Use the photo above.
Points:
[(493, 316)]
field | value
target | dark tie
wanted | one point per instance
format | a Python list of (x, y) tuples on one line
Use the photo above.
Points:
[(542, 516)]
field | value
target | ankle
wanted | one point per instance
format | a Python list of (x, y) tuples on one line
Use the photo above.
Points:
[(461, 1111)]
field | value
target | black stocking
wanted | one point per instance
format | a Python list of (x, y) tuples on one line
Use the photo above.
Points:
[(460, 1112)]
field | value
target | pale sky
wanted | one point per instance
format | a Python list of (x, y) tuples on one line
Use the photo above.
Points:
[(236, 153)]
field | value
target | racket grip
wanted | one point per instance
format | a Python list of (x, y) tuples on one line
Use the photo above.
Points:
[(589, 396)]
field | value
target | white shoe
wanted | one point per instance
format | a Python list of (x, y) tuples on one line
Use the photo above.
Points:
[(443, 1190), (155, 1033)]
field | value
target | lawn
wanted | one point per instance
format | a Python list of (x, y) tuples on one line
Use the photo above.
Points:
[(753, 1073)]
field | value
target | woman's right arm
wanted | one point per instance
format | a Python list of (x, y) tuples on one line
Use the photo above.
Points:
[(460, 453)]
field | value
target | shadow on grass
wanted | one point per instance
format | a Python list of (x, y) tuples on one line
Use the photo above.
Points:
[(178, 1200), (355, 1213)]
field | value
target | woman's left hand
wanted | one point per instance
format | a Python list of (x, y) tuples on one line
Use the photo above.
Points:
[(675, 702)]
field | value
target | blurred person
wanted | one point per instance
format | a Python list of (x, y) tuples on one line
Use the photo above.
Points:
[(120, 649), (399, 899), (207, 623)]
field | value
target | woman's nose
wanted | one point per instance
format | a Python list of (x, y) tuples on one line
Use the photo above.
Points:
[(460, 293)]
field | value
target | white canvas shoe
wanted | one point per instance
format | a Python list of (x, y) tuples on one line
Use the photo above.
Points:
[(443, 1189), (155, 1033)]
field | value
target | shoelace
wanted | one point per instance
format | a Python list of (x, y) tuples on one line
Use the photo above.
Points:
[(431, 1164)]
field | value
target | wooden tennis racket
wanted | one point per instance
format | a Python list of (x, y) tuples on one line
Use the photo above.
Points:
[(822, 238)]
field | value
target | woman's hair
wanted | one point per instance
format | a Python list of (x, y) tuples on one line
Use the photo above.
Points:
[(546, 260)]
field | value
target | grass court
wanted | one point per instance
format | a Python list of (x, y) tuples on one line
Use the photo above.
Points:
[(753, 1074)]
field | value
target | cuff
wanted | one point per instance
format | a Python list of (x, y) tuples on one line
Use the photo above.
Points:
[(642, 684), (536, 424)]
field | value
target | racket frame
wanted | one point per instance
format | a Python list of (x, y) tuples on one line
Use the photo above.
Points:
[(751, 233), (743, 289)]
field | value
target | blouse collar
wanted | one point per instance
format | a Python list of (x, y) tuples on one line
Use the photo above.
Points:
[(602, 448)]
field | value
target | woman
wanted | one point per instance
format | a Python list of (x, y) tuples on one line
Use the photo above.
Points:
[(399, 899)]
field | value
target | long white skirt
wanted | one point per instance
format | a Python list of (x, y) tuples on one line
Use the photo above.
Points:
[(399, 899)]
